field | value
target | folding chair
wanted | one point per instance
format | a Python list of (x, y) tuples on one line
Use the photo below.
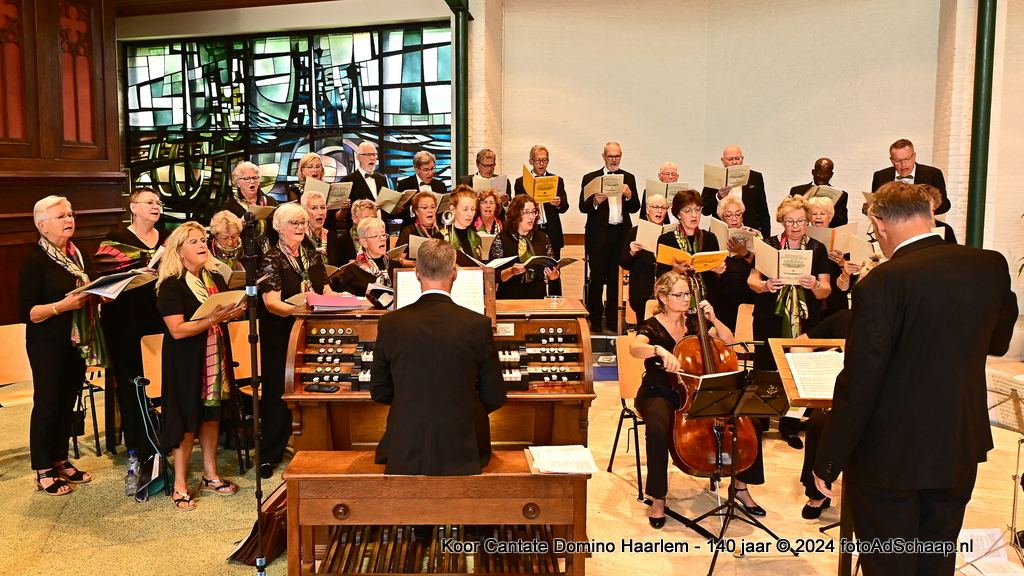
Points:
[(631, 372), (89, 388)]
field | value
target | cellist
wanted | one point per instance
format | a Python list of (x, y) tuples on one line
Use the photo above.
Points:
[(657, 400)]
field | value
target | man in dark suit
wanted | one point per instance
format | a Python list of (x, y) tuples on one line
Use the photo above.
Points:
[(906, 169), (909, 420), (607, 224), (550, 220), (424, 164), (366, 183), (437, 424), (486, 163), (753, 195), (821, 175)]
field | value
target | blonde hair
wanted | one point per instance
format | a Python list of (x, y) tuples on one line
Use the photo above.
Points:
[(792, 203), (43, 206), (286, 212), (822, 202), (171, 265), (307, 198), (364, 204), (224, 221), (663, 286), (306, 159), (725, 203)]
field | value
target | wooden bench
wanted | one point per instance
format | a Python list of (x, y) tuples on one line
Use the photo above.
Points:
[(340, 489)]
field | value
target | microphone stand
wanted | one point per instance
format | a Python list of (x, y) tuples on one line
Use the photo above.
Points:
[(251, 264)]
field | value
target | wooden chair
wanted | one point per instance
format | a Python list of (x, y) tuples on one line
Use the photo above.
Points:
[(627, 317), (745, 333), (631, 371)]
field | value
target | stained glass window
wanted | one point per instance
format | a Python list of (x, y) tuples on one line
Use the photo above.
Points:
[(196, 107)]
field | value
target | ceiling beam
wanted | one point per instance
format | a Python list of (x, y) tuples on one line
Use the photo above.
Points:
[(154, 7)]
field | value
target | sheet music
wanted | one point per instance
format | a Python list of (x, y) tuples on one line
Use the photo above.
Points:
[(647, 234), (993, 567), (1005, 398), (467, 292), (793, 264), (814, 373), (575, 459), (987, 543)]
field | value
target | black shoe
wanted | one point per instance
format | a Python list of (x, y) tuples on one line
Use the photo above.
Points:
[(812, 513), (795, 442), (656, 523), (266, 470), (754, 510)]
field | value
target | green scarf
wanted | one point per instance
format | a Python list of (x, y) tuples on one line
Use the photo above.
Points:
[(791, 303), (525, 253), (85, 326), (471, 234)]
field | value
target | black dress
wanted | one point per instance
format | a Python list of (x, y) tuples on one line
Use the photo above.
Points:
[(266, 236), (413, 230), (355, 279), (641, 276), (274, 333), (58, 369), (732, 290), (517, 287), (125, 321), (183, 361)]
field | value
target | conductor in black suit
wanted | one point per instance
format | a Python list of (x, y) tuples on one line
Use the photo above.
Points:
[(821, 175), (425, 165), (909, 419), (437, 424), (366, 182), (550, 220), (607, 224), (906, 169), (752, 193)]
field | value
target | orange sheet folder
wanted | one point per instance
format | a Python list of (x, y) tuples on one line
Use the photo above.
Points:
[(700, 262)]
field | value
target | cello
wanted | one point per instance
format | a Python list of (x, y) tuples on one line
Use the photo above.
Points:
[(698, 445)]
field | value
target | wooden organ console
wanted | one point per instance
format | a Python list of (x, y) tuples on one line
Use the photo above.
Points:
[(545, 355)]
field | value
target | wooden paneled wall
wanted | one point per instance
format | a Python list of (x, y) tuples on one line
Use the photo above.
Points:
[(58, 124)]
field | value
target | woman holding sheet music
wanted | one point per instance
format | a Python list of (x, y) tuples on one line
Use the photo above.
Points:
[(640, 262), (311, 165), (62, 336), (424, 207), (656, 399), (686, 207), (521, 238), (133, 313), (196, 359), (822, 211), (732, 289), (460, 233), (372, 266), (290, 268)]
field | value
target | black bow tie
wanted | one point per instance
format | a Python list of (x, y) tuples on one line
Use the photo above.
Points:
[(615, 172), (368, 176)]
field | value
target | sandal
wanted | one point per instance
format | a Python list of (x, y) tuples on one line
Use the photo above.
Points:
[(56, 488), (71, 474), (183, 501), (218, 486)]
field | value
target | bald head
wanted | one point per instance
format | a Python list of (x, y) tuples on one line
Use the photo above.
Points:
[(732, 156), (822, 171), (366, 155), (668, 172)]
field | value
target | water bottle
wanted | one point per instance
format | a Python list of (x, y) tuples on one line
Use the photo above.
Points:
[(131, 480)]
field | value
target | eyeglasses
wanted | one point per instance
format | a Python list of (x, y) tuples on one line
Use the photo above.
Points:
[(367, 154), (156, 203), (690, 210), (733, 158), (298, 223), (64, 216), (313, 166), (731, 215), (800, 222), (529, 212), (540, 160), (427, 208), (431, 169), (491, 165), (488, 202), (679, 295), (658, 207), (671, 174), (376, 236), (249, 178), (613, 156)]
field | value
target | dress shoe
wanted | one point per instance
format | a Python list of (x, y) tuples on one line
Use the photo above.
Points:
[(266, 470), (795, 442), (813, 512), (656, 523), (754, 509)]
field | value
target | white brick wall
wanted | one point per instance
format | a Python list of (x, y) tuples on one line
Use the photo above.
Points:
[(485, 81)]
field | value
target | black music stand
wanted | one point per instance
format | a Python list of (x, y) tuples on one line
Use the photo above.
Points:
[(729, 396)]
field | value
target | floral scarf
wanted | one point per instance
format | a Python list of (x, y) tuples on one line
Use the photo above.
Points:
[(495, 228), (85, 326), (791, 303), (114, 257), (215, 369), (319, 240), (370, 266), (300, 265)]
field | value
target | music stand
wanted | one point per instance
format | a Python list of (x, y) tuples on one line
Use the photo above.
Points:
[(729, 396)]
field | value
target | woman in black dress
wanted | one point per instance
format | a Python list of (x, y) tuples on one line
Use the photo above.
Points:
[(822, 211), (291, 267), (732, 289), (656, 400), (688, 237), (372, 266), (246, 178), (323, 240), (640, 262), (196, 360), (62, 336), (521, 238), (133, 313), (424, 207), (348, 241)]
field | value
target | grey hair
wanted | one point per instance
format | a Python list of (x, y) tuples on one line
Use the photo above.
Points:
[(243, 165), (224, 221), (363, 228), (897, 202), (435, 260), (728, 201), (286, 212), (422, 158), (43, 206)]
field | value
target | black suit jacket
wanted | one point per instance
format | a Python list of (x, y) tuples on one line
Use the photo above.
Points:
[(597, 216), (842, 211), (361, 190), (910, 410), (411, 183), (755, 202), (437, 424), (553, 227), (922, 175)]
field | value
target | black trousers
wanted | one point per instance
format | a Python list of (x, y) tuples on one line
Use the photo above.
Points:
[(125, 354), (815, 424), (934, 515), (275, 416), (57, 375), (604, 254)]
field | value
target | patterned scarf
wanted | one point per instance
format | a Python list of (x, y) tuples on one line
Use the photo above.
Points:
[(355, 241), (474, 240), (791, 302), (229, 256), (319, 240), (114, 257), (425, 232), (300, 265), (479, 225), (692, 247), (525, 253), (85, 326), (215, 369), (370, 265)]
